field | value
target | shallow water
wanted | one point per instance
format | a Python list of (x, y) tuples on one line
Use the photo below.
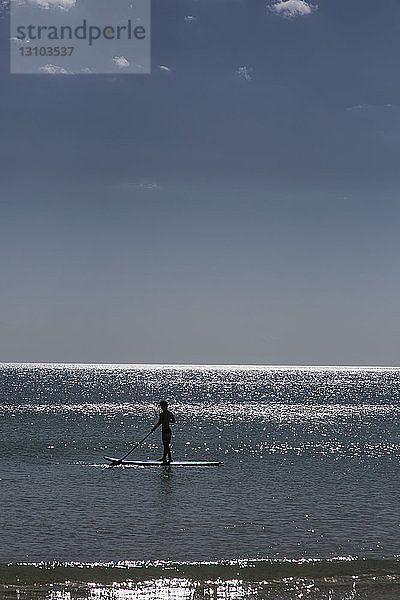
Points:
[(311, 464), (333, 579)]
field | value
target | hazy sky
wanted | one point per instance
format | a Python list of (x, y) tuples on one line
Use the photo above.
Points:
[(238, 205)]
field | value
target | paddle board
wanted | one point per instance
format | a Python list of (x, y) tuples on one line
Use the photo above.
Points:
[(158, 463)]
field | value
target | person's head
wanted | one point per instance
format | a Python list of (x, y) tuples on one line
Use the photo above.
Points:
[(164, 405)]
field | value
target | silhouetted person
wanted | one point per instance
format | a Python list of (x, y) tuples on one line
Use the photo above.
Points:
[(166, 417)]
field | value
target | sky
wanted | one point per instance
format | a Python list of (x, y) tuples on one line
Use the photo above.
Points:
[(239, 205)]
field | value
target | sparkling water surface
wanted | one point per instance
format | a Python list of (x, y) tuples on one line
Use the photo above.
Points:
[(311, 463)]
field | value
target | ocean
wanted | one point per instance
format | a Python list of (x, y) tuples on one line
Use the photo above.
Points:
[(305, 504)]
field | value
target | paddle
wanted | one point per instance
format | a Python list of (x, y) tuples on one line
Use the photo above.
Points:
[(119, 461)]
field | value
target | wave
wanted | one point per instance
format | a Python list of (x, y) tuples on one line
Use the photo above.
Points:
[(245, 570), (344, 578)]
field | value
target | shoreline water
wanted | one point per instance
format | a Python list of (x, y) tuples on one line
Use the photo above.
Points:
[(341, 578)]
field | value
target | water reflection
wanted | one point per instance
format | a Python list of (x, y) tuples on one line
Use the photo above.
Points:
[(166, 481)]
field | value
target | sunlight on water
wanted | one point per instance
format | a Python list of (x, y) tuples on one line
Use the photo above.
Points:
[(184, 589), (311, 463), (270, 412), (163, 589)]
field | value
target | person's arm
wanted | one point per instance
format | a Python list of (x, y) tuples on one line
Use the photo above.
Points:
[(172, 418), (157, 424)]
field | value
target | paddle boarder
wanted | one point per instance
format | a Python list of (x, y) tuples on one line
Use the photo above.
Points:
[(166, 417)]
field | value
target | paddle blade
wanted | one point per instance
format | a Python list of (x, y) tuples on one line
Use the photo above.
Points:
[(114, 461)]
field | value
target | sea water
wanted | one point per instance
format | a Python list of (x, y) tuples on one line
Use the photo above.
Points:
[(305, 505)]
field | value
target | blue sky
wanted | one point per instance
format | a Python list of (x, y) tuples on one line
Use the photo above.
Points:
[(238, 205)]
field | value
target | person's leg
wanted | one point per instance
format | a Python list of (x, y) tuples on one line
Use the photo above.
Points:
[(164, 457), (169, 453), (166, 438)]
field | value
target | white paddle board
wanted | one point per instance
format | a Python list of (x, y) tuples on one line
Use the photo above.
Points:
[(158, 463)]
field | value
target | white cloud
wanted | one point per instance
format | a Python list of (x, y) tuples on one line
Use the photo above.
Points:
[(244, 73), (134, 186), (55, 70), (371, 106), (358, 107), (148, 187), (290, 9), (121, 62), (58, 4)]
